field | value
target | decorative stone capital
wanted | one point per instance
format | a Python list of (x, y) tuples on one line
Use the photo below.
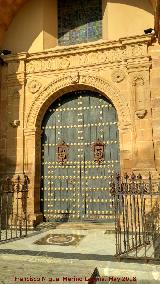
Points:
[(32, 131), (138, 79), (103, 52)]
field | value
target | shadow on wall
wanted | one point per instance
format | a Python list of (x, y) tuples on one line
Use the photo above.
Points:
[(11, 138), (141, 4), (13, 193), (34, 25), (26, 29)]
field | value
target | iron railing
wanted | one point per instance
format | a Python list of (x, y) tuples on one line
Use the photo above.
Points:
[(13, 208), (136, 204)]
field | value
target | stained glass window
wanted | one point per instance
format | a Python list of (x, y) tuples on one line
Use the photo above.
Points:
[(79, 21)]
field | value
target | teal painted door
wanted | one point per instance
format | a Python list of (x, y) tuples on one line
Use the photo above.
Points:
[(80, 153)]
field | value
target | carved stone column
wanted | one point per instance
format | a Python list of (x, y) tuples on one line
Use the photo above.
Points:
[(32, 168), (15, 81), (140, 109), (143, 149), (126, 155)]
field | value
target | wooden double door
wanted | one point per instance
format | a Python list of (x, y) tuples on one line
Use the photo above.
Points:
[(80, 153)]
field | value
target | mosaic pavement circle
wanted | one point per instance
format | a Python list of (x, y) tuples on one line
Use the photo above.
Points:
[(60, 239)]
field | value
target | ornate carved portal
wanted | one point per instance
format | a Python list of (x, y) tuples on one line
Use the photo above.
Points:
[(95, 66)]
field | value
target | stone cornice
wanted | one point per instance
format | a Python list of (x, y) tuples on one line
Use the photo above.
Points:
[(15, 57), (124, 51), (89, 47)]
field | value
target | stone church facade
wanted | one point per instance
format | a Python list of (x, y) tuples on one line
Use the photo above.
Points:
[(122, 65)]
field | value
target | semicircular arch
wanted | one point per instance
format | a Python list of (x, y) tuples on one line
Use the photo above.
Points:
[(74, 82)]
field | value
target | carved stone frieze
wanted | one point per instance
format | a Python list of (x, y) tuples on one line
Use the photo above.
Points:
[(34, 86), (88, 55)]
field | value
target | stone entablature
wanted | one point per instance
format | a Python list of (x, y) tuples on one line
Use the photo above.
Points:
[(126, 51), (87, 55)]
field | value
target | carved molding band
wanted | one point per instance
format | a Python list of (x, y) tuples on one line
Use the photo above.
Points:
[(33, 118), (88, 55)]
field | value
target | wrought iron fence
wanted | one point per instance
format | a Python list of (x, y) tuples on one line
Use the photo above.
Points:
[(13, 208), (136, 204)]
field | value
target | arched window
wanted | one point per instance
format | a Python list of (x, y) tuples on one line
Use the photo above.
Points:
[(79, 21)]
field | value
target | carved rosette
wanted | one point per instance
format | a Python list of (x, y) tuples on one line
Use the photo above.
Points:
[(118, 75), (34, 86)]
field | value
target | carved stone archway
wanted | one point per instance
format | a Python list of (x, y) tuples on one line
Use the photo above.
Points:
[(70, 83), (42, 100)]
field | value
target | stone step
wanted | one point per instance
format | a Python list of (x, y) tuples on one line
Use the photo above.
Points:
[(87, 226)]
